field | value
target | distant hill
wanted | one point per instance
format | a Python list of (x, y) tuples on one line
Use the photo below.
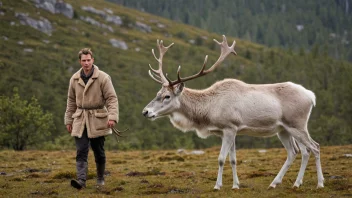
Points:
[(288, 24), (39, 42)]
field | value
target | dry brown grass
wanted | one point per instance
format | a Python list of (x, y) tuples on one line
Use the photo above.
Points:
[(168, 174)]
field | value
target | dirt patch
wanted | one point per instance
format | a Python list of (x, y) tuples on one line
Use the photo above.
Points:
[(37, 192), (172, 158), (118, 162), (178, 191), (103, 190), (151, 172), (118, 189), (35, 170), (186, 175), (33, 175), (18, 179), (155, 192), (339, 184), (259, 174)]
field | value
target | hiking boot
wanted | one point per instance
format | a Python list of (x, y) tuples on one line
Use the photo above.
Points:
[(82, 169), (77, 184), (100, 174)]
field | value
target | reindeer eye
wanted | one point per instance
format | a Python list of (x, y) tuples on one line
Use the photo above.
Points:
[(167, 97)]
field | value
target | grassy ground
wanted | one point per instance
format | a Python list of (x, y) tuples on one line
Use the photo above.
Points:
[(166, 173)]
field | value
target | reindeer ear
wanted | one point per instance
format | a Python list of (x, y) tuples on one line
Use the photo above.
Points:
[(178, 88)]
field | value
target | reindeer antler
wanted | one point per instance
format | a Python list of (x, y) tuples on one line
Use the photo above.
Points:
[(159, 77), (225, 51)]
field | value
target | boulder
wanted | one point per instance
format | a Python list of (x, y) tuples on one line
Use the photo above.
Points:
[(118, 44), (42, 25)]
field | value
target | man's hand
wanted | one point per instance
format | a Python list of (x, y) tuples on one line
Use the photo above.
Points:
[(111, 123), (69, 128)]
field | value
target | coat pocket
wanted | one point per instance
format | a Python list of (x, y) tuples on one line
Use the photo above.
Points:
[(77, 121), (101, 121)]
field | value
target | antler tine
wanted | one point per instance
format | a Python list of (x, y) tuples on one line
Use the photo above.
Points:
[(178, 73), (159, 72), (154, 70), (155, 55), (225, 51), (200, 73), (162, 48), (205, 62), (154, 77)]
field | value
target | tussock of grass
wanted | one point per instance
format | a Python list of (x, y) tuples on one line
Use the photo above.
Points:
[(103, 190), (144, 181), (34, 175), (156, 185), (118, 189), (154, 171), (167, 158), (65, 175)]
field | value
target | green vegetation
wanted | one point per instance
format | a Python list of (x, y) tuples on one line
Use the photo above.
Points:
[(45, 73), (288, 24), (23, 124), (161, 174)]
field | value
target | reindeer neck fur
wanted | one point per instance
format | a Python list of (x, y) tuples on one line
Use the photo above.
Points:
[(192, 113), (196, 105)]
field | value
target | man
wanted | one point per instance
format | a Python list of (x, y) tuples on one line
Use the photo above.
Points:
[(91, 112)]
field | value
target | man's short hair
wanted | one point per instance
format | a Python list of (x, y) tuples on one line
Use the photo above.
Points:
[(85, 51)]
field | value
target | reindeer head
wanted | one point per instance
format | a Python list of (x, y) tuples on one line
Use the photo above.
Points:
[(167, 99)]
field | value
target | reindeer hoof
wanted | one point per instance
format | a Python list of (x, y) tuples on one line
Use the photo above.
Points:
[(295, 186), (272, 186), (320, 186), (216, 187), (235, 187)]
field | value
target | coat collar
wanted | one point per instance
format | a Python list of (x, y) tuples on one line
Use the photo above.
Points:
[(77, 76)]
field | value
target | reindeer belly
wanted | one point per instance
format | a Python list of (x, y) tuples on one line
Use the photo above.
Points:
[(264, 131)]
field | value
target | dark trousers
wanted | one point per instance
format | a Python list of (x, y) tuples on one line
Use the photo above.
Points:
[(97, 144)]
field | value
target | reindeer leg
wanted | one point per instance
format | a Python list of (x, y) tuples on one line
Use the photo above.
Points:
[(288, 143), (302, 136), (233, 160), (227, 142), (315, 149), (318, 165), (305, 157)]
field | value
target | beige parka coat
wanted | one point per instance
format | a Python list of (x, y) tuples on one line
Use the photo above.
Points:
[(91, 104)]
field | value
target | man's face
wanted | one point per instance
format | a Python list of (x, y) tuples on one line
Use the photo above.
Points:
[(86, 62)]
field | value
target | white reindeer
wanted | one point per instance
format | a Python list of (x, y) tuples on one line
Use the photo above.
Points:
[(231, 107)]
